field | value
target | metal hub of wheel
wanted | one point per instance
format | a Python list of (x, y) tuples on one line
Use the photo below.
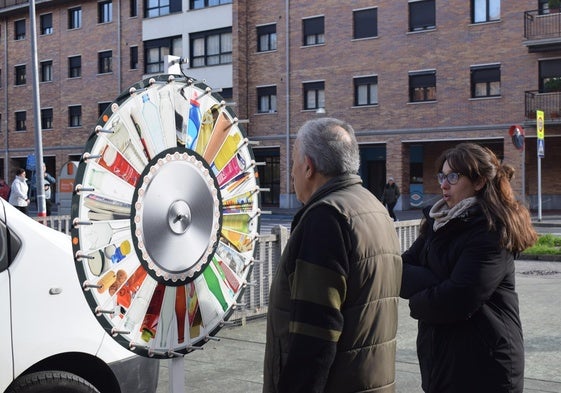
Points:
[(185, 217)]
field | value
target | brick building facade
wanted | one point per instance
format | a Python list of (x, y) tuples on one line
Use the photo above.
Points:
[(84, 62), (412, 77)]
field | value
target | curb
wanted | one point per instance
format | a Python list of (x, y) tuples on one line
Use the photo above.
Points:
[(544, 257)]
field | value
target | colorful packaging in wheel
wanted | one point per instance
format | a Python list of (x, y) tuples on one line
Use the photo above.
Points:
[(165, 216)]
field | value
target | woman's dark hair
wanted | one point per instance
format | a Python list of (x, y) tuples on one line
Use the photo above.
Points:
[(19, 171), (503, 211)]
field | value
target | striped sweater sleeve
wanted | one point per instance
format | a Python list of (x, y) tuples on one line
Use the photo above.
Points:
[(318, 290)]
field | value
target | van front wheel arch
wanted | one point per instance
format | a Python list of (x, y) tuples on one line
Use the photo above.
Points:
[(51, 382)]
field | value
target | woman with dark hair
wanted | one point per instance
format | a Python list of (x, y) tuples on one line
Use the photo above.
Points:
[(459, 277), (18, 191)]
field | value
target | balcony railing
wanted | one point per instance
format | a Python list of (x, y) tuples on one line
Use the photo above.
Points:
[(549, 103), (542, 32)]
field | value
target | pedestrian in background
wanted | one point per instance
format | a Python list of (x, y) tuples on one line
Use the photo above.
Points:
[(332, 317), (48, 180), (390, 196), (19, 190), (459, 277)]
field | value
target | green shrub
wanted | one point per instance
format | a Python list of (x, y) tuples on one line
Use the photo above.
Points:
[(547, 244)]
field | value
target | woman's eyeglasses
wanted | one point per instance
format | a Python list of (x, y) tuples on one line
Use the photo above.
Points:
[(451, 178)]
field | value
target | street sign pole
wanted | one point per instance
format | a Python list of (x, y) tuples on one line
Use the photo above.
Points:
[(541, 152)]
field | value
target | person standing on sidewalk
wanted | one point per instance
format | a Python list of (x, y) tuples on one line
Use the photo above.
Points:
[(47, 181), (19, 190), (390, 196), (459, 277), (332, 317)]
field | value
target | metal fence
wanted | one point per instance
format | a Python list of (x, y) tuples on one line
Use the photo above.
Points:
[(269, 247)]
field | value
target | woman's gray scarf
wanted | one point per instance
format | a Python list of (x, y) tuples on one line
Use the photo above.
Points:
[(442, 214)]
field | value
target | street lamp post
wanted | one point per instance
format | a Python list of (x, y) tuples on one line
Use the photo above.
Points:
[(40, 192)]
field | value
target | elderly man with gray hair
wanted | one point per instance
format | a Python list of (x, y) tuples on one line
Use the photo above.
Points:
[(332, 318)]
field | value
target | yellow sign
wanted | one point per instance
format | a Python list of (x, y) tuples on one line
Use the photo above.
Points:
[(539, 124)]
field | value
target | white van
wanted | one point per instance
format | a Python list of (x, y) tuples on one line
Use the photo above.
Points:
[(50, 341)]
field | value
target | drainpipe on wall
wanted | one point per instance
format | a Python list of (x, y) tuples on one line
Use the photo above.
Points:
[(287, 59), (5, 110), (120, 80)]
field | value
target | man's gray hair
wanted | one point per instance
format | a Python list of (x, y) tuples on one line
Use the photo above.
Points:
[(331, 145)]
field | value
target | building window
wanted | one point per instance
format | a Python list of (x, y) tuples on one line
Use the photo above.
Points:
[(211, 48), (47, 119), (134, 57), (365, 23), (422, 15), (75, 116), (101, 107), (485, 10), (550, 76), (366, 90), (46, 71), (313, 29), (314, 95), (267, 99), (19, 29), (104, 12), (75, 18), (422, 86), (20, 121), (133, 8), (153, 8), (266, 38), (227, 93), (74, 66), (155, 50), (485, 81), (20, 75), (46, 23), (198, 4), (104, 61)]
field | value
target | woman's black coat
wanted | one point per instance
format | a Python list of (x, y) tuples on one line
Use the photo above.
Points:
[(460, 286)]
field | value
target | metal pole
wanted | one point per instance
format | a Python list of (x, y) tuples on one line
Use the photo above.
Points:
[(287, 59), (539, 189), (41, 205)]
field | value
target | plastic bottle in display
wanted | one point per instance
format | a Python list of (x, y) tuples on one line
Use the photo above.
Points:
[(207, 125), (167, 314), (127, 292), (139, 305), (152, 118), (180, 312), (194, 124), (123, 141), (109, 184), (193, 311), (114, 162), (167, 116), (219, 134), (227, 275), (148, 327)]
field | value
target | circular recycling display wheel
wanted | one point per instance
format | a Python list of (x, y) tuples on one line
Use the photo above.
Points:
[(165, 216)]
